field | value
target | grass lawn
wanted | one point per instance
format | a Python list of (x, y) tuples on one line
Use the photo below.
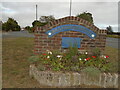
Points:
[(113, 36), (15, 53), (15, 65)]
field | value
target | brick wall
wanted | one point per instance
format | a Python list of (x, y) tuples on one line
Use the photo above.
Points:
[(43, 42)]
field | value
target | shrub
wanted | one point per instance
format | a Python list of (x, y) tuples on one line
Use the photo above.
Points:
[(96, 52), (73, 51), (110, 67)]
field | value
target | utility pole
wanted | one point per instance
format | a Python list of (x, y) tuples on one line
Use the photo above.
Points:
[(36, 12), (70, 6)]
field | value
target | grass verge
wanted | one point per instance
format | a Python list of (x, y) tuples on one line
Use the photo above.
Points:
[(113, 36), (15, 69)]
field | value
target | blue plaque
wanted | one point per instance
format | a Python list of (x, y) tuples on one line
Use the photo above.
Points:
[(70, 42), (71, 27)]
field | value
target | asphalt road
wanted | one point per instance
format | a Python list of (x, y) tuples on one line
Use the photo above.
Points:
[(113, 42), (17, 34)]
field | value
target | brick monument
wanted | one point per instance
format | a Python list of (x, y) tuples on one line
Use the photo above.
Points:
[(62, 33)]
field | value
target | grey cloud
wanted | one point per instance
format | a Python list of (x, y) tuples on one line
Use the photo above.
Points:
[(104, 13)]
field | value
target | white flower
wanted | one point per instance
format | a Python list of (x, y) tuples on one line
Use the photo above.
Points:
[(104, 56), (80, 59), (86, 53), (50, 52), (59, 56), (85, 59), (48, 56)]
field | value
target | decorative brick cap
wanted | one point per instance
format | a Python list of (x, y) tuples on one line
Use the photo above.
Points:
[(102, 31), (57, 22)]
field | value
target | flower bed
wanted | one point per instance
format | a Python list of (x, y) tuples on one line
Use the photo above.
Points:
[(57, 64), (72, 60)]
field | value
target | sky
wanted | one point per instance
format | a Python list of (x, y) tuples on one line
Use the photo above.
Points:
[(105, 12)]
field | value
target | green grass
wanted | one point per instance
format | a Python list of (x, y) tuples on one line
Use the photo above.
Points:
[(113, 36), (15, 65), (112, 52), (113, 57), (15, 53)]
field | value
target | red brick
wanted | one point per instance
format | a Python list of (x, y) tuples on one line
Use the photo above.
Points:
[(55, 41), (37, 34)]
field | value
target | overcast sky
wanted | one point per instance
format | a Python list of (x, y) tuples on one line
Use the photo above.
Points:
[(104, 13)]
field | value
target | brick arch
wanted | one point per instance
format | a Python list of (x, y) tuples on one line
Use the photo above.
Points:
[(70, 20), (43, 42)]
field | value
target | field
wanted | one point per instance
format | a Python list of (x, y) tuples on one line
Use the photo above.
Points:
[(15, 53)]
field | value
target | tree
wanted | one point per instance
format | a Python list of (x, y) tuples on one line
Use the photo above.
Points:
[(27, 27), (4, 26), (30, 29), (11, 24), (46, 19), (43, 21), (36, 23), (109, 30), (86, 16)]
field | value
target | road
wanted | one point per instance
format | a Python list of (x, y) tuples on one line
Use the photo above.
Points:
[(17, 34), (113, 42)]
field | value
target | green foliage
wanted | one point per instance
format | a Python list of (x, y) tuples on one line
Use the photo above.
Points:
[(72, 61), (109, 30), (56, 69), (11, 24), (36, 23), (96, 52), (46, 19), (43, 21), (27, 27), (110, 67), (86, 16), (30, 29), (33, 59), (73, 51), (91, 71)]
